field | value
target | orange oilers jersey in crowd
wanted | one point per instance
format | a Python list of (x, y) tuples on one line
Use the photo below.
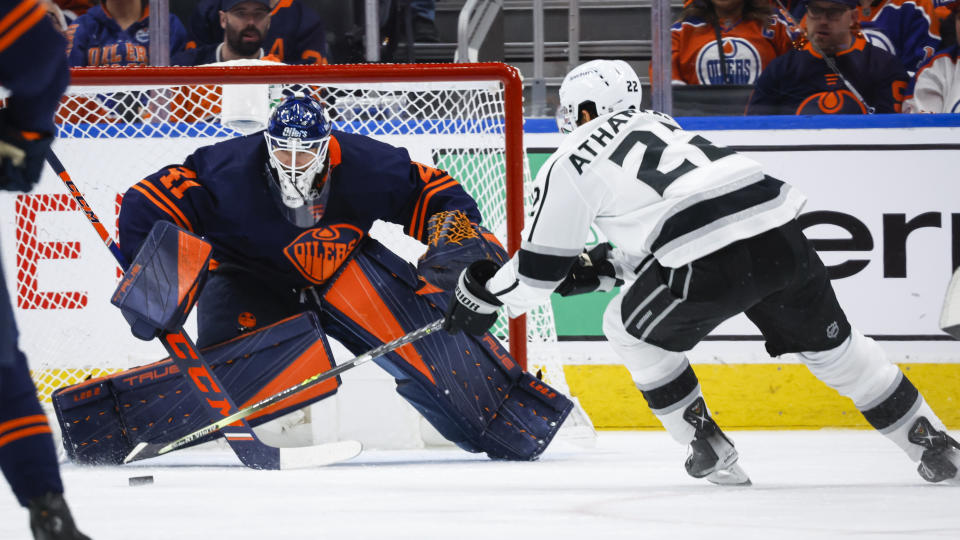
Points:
[(221, 193), (748, 47), (801, 82)]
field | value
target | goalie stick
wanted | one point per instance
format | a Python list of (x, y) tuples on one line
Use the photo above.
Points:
[(148, 450), (203, 381)]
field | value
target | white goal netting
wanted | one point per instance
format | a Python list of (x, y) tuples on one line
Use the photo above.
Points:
[(110, 136)]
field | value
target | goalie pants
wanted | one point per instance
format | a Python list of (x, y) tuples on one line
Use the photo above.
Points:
[(779, 282), (27, 455), (469, 388)]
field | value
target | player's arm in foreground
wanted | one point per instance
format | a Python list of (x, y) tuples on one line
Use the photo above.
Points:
[(33, 67)]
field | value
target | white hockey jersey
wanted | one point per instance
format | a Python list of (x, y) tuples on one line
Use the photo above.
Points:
[(936, 86), (651, 188)]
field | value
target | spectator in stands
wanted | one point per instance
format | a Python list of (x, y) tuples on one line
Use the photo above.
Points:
[(117, 33), (245, 24), (295, 36), (936, 86), (726, 41), (944, 13), (908, 29), (836, 72)]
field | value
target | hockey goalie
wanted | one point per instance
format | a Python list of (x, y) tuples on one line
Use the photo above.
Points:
[(287, 212)]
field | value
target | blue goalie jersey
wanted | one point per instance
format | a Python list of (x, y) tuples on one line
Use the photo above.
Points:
[(221, 192)]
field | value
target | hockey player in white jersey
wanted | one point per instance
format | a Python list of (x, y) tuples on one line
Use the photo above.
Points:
[(701, 234)]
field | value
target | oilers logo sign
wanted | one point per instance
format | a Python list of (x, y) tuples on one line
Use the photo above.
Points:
[(319, 252), (740, 56)]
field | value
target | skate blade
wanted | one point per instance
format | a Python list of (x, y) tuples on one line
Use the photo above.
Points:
[(733, 475)]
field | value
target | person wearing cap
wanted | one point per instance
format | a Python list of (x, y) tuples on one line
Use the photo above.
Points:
[(936, 86), (296, 33), (117, 33), (245, 24), (726, 41), (836, 71)]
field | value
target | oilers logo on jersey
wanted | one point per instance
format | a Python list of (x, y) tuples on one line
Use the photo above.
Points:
[(740, 56), (317, 253), (832, 102)]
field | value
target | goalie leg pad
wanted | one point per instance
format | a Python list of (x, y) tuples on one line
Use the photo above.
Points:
[(103, 419), (163, 281), (468, 387)]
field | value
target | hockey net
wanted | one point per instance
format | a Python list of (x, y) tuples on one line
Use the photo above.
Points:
[(116, 126)]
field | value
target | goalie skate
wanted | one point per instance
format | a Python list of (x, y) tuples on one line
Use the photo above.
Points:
[(711, 454)]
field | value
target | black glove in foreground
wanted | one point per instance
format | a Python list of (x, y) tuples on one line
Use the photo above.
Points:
[(473, 309)]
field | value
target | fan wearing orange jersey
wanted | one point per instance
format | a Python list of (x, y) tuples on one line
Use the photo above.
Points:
[(726, 41)]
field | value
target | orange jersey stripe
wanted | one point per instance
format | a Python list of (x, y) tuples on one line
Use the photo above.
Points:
[(186, 222), (10, 425), (15, 14), (158, 204), (312, 361), (417, 212), (357, 298), (22, 433), (426, 203), (28, 22)]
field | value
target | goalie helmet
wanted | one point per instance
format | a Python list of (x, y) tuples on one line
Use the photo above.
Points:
[(611, 85), (298, 135)]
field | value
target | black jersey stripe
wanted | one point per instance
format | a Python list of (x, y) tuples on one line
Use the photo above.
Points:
[(544, 267), (895, 407), (672, 392), (703, 213), (543, 200)]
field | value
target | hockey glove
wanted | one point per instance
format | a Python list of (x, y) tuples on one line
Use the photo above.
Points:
[(473, 309), (593, 271), (21, 158), (453, 242)]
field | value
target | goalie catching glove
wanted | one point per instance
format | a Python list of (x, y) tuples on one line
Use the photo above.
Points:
[(473, 308), (593, 271), (453, 242)]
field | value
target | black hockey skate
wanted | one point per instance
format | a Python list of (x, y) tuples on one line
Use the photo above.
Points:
[(50, 519), (941, 454), (712, 454)]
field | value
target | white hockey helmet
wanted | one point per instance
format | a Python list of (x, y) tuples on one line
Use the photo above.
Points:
[(611, 85)]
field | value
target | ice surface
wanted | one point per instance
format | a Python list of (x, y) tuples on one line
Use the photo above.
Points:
[(821, 484)]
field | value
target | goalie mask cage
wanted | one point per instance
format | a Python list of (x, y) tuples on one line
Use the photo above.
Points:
[(118, 125)]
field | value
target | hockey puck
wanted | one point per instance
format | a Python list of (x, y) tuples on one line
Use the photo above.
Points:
[(140, 480)]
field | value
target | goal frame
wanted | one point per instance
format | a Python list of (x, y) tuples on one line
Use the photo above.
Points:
[(507, 75)]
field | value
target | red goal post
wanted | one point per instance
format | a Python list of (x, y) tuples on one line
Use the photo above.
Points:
[(166, 100)]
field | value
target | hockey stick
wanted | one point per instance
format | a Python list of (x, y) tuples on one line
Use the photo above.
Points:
[(148, 450), (206, 385)]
